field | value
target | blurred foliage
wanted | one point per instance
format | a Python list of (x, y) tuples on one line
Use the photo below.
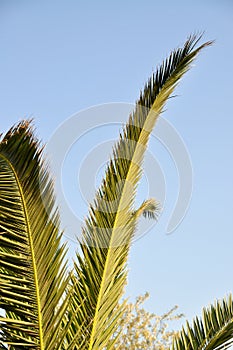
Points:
[(140, 329)]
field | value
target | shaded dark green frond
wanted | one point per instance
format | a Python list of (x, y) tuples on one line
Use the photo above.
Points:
[(213, 331), (177, 60), (33, 274), (110, 226)]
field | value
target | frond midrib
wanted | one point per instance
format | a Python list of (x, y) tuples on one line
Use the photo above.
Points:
[(29, 234), (115, 226), (109, 252)]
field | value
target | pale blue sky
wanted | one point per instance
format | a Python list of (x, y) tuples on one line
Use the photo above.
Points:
[(58, 57)]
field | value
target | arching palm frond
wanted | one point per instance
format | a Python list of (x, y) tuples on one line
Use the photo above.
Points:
[(212, 331), (33, 275), (110, 226)]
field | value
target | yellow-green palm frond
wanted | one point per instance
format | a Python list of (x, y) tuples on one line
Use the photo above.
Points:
[(212, 331), (149, 209), (110, 226), (33, 272)]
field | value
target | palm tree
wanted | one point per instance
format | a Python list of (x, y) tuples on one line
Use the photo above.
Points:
[(47, 306)]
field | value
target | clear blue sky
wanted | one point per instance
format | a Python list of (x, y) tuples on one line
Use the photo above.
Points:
[(58, 57)]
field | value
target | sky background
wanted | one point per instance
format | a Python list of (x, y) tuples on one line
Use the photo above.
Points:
[(60, 57)]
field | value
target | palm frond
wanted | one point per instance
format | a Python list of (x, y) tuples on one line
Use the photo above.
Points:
[(110, 226), (33, 272), (213, 331), (149, 209)]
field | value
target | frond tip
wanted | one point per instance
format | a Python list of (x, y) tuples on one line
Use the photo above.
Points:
[(149, 209)]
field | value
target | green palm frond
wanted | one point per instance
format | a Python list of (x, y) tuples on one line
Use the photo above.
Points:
[(213, 331), (149, 209), (110, 226), (33, 273)]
